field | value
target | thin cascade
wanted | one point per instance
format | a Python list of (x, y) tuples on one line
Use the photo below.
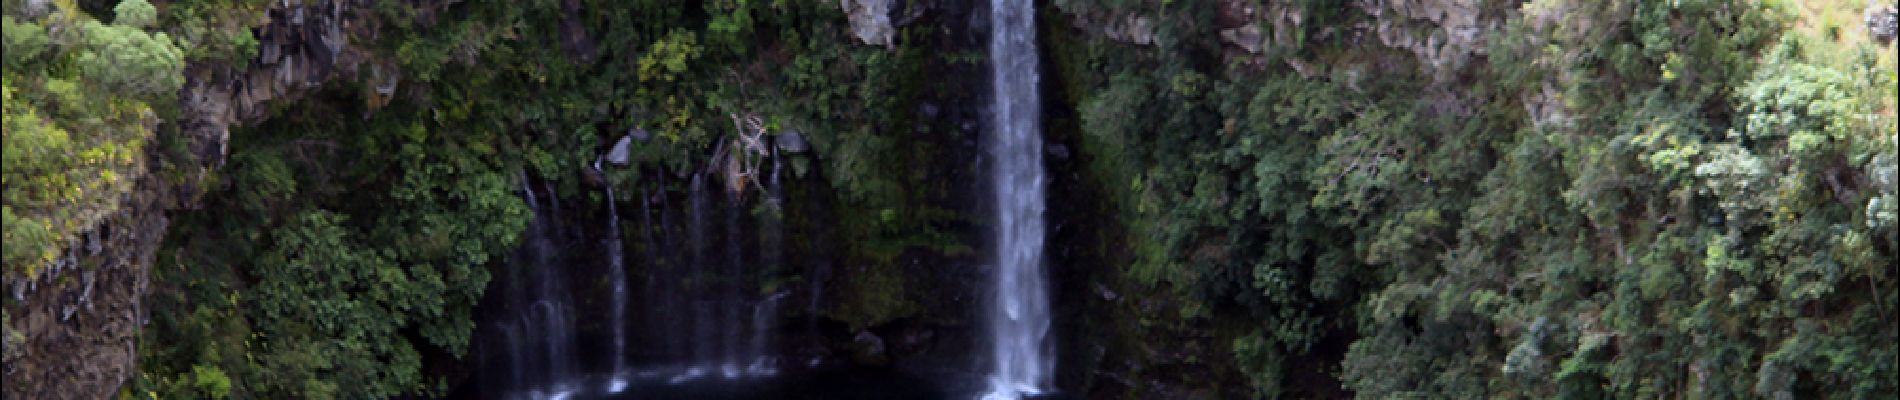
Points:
[(702, 314), (554, 199), (771, 256), (764, 323), (543, 331), (667, 281), (616, 272), (701, 278), (732, 292), (531, 344)]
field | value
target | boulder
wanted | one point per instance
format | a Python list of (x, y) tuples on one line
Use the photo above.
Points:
[(1883, 21), (792, 142), (871, 21), (1135, 29), (619, 154), (1247, 37), (868, 349)]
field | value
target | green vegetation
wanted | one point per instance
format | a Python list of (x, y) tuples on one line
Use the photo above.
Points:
[(77, 95), (1692, 198), (354, 231), (1695, 204)]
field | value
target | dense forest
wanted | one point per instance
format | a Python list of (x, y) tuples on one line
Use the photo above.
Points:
[(1246, 198)]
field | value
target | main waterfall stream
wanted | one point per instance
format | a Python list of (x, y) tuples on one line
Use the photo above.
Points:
[(1019, 318)]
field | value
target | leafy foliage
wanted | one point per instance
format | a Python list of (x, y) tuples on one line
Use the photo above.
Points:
[(1683, 208), (344, 255), (77, 118)]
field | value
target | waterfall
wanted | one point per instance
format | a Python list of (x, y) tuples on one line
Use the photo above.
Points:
[(1019, 318), (732, 294), (764, 318), (771, 256), (701, 312), (537, 331), (704, 329), (616, 272)]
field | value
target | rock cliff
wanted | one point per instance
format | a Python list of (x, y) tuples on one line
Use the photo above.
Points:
[(76, 325)]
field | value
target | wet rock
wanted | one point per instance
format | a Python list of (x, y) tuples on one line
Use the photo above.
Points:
[(868, 349), (1106, 294), (793, 142), (930, 111), (914, 339), (871, 21), (1059, 151), (1138, 30), (1248, 38), (1883, 22), (621, 152), (386, 79), (33, 9), (593, 177)]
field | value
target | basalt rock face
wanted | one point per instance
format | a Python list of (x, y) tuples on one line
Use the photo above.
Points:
[(1437, 37), (304, 45), (1445, 35), (78, 322), (871, 20)]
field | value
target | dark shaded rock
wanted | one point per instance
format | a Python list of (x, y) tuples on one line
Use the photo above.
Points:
[(793, 142), (1248, 37), (593, 177), (79, 327), (1106, 293), (574, 39), (1883, 23), (914, 339), (871, 21), (930, 111), (868, 349)]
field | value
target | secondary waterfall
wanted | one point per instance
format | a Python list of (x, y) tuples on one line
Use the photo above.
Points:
[(704, 316), (616, 272), (538, 335), (1019, 318)]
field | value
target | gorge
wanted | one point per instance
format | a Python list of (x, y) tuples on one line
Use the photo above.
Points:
[(957, 199)]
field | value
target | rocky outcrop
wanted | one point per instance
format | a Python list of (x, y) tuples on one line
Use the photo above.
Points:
[(1444, 34), (78, 324), (868, 349), (1883, 21), (1121, 25), (303, 45), (871, 21)]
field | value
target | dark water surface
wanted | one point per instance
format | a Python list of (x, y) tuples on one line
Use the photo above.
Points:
[(825, 383)]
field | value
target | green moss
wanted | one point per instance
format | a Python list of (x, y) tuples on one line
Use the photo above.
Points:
[(872, 295)]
